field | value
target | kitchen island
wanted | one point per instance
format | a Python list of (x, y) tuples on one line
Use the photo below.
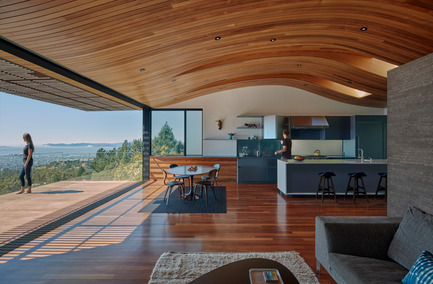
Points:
[(301, 178)]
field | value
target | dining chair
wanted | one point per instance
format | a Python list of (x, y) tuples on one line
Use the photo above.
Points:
[(179, 177), (207, 183), (170, 185), (206, 177)]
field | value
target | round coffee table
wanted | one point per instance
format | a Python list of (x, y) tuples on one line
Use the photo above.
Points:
[(238, 272)]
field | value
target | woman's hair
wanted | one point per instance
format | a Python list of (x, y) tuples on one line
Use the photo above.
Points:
[(286, 132), (29, 139)]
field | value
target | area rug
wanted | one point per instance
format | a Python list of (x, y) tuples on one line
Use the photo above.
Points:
[(179, 268), (177, 205)]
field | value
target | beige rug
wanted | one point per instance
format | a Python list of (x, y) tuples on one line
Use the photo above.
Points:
[(178, 267)]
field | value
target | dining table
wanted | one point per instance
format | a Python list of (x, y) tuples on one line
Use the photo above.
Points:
[(186, 171)]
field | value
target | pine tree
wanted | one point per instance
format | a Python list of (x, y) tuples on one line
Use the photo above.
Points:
[(165, 143)]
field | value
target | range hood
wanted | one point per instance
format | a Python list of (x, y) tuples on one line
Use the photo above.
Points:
[(309, 122)]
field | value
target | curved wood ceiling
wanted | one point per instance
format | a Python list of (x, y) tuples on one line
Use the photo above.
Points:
[(319, 45)]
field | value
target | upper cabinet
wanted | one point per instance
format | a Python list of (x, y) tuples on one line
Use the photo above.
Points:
[(337, 128), (274, 126)]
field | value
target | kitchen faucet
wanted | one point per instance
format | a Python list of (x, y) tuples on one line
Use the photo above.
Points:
[(362, 154)]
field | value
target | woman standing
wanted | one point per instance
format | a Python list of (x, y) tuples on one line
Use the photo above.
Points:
[(287, 146), (28, 163)]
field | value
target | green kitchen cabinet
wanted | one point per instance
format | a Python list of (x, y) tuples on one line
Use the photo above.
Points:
[(339, 128), (370, 133)]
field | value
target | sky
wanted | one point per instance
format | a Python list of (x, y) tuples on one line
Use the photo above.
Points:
[(50, 123)]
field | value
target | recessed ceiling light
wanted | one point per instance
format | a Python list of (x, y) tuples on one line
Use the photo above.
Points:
[(273, 39), (174, 80), (299, 65), (206, 80), (363, 29), (142, 69), (349, 82), (217, 38)]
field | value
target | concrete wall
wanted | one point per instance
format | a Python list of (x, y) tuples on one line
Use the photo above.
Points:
[(410, 136)]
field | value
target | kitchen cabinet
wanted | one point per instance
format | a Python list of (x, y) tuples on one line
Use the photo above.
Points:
[(273, 126), (368, 132), (339, 128), (307, 134), (257, 170), (256, 161), (371, 135)]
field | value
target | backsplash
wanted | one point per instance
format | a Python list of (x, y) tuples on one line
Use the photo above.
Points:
[(326, 147)]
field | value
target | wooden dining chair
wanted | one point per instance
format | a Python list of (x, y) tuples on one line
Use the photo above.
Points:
[(209, 183), (179, 177), (206, 177), (172, 184)]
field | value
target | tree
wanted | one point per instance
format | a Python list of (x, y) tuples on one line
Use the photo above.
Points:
[(165, 143)]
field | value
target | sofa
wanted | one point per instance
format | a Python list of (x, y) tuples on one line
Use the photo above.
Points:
[(372, 249)]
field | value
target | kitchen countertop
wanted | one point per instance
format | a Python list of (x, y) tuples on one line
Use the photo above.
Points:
[(334, 161)]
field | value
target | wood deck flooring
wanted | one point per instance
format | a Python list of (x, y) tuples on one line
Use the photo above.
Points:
[(115, 244)]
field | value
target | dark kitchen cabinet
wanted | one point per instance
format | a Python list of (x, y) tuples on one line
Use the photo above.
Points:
[(370, 135), (339, 128), (307, 134), (257, 170), (368, 132)]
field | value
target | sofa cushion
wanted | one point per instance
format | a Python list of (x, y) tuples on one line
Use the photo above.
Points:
[(345, 268), (422, 271), (414, 235)]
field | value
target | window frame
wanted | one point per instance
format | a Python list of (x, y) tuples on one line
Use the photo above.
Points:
[(185, 110)]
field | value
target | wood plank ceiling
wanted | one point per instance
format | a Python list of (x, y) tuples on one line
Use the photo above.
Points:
[(162, 52)]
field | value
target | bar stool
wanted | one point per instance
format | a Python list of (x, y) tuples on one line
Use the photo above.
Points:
[(383, 176), (357, 178), (326, 185)]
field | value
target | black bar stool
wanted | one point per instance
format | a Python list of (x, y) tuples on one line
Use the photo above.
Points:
[(383, 176), (357, 178), (326, 185)]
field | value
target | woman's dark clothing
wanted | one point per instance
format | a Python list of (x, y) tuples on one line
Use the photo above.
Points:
[(26, 152), (288, 153), (27, 170)]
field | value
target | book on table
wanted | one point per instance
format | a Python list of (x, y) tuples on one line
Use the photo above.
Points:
[(264, 276)]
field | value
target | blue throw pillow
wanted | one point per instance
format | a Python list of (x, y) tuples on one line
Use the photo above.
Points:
[(422, 270)]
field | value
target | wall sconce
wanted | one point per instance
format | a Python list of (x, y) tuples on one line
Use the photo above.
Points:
[(219, 123)]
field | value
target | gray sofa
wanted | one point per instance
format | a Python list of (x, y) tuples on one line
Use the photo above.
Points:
[(372, 249)]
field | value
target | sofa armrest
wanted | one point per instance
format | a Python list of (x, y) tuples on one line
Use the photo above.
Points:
[(360, 236)]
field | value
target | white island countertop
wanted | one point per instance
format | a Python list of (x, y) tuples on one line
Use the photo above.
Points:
[(334, 161)]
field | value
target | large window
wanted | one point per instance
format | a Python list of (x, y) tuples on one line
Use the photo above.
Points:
[(177, 132)]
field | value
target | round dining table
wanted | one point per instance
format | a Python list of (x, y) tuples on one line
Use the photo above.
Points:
[(184, 171)]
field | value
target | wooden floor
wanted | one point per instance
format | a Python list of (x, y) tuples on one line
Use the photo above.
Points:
[(115, 244)]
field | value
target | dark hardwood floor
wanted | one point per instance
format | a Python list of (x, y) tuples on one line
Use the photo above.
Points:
[(115, 244)]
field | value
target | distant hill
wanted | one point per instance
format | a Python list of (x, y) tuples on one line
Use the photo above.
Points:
[(102, 145)]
